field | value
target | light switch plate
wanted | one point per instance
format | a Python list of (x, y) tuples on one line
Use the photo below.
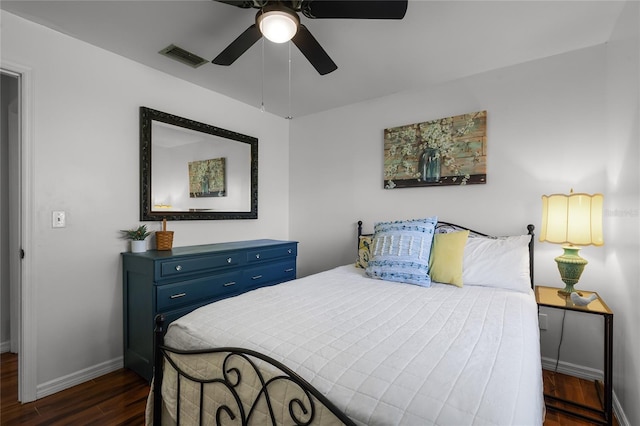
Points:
[(58, 219)]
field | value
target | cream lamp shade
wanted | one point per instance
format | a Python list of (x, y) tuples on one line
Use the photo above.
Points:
[(572, 220), (278, 26)]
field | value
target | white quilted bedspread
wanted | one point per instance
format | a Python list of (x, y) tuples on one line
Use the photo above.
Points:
[(388, 353)]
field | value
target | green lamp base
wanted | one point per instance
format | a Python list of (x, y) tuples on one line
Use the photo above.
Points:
[(570, 265)]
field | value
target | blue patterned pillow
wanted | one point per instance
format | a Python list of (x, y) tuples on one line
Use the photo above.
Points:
[(400, 251)]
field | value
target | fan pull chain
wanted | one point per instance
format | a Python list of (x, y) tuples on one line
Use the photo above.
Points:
[(262, 80), (289, 117)]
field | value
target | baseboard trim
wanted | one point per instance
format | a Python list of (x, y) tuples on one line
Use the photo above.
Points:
[(572, 369), (588, 374), (73, 379), (5, 346)]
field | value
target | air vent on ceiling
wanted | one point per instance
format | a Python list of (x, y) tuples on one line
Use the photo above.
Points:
[(181, 55)]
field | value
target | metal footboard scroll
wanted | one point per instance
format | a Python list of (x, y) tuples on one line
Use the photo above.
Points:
[(234, 386)]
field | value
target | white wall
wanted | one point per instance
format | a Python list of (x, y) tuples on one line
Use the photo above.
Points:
[(569, 121), (85, 147), (537, 113), (620, 280)]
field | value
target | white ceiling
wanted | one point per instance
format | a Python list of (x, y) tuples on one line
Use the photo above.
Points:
[(437, 41)]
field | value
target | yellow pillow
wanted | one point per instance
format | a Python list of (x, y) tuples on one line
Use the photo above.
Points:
[(364, 242), (445, 264)]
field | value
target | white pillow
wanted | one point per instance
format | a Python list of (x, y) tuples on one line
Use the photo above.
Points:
[(500, 262)]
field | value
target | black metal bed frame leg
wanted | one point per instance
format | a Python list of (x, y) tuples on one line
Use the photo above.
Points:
[(608, 372), (157, 370)]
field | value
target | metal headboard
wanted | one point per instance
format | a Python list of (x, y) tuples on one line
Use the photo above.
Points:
[(444, 227)]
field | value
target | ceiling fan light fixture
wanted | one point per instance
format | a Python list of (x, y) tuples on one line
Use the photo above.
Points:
[(277, 25)]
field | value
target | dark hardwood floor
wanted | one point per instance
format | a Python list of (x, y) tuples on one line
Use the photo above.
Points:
[(119, 398), (578, 390)]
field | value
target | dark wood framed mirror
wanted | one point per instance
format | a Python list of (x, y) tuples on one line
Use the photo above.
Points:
[(194, 171)]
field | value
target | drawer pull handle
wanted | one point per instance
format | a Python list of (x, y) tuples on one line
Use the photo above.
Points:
[(258, 256), (179, 295), (257, 277), (289, 270), (228, 260), (289, 251), (229, 284), (179, 268)]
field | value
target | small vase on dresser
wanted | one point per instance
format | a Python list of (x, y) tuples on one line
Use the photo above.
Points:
[(138, 246)]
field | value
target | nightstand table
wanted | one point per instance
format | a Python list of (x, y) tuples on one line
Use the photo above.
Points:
[(549, 297)]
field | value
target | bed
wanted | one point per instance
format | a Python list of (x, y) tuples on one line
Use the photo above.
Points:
[(365, 345)]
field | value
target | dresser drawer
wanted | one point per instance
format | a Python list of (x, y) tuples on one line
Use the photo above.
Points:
[(271, 253), (270, 273), (190, 265), (186, 292)]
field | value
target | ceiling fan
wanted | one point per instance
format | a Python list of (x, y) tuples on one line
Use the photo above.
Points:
[(279, 22)]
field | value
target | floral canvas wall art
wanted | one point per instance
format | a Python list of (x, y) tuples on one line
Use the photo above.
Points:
[(446, 151), (207, 178)]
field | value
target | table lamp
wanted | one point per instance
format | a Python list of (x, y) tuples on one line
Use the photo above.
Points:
[(572, 220)]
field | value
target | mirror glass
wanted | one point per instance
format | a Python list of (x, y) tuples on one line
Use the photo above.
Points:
[(192, 170)]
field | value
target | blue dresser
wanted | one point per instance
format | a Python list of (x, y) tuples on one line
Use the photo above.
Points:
[(175, 282)]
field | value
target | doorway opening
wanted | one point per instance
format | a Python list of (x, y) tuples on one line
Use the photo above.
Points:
[(17, 321), (9, 188)]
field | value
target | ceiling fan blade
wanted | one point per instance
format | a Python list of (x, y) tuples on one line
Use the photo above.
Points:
[(354, 9), (238, 46), (312, 50), (245, 4)]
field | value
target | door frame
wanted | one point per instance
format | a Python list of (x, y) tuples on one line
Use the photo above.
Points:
[(25, 289), (13, 210)]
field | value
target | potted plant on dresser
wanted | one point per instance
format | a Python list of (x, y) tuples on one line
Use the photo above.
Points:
[(137, 237)]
